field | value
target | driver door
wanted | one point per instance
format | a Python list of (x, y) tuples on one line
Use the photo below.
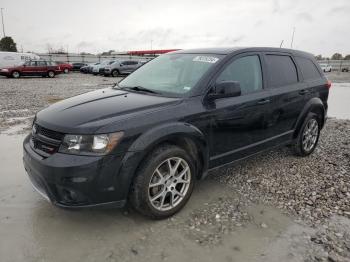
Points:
[(29, 68), (238, 126)]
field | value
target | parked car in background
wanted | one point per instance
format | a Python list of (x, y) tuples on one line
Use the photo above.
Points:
[(122, 67), (87, 69), (65, 67), (150, 137), (32, 68), (96, 68), (11, 59), (326, 67), (345, 69), (101, 70), (77, 66)]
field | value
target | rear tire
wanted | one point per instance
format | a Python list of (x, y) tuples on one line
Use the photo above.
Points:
[(16, 74), (164, 182), (51, 74), (308, 136), (66, 70)]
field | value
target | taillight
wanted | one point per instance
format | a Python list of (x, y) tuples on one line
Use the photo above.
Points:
[(329, 84)]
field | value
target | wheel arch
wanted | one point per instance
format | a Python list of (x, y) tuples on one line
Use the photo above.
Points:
[(184, 135), (314, 105)]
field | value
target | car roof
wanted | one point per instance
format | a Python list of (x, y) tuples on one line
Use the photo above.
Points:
[(230, 50)]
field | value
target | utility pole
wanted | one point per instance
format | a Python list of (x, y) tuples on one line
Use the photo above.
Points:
[(2, 20), (291, 43)]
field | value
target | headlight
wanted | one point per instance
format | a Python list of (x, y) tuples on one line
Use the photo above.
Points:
[(90, 144), (4, 70)]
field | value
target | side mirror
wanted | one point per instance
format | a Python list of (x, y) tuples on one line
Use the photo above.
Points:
[(121, 64), (226, 89)]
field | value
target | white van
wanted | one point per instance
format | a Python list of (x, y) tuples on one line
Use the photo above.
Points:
[(9, 59)]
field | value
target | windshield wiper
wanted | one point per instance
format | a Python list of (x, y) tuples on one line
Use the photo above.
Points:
[(142, 89)]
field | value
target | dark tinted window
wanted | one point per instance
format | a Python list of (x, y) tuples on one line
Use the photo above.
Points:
[(282, 70), (245, 70), (308, 68)]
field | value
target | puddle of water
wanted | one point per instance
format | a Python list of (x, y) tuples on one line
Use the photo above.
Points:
[(52, 100), (339, 101)]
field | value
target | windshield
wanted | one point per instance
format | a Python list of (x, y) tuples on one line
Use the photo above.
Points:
[(173, 74)]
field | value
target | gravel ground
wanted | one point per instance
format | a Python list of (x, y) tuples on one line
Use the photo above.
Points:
[(313, 191)]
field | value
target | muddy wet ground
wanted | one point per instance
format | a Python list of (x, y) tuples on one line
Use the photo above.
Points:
[(250, 211)]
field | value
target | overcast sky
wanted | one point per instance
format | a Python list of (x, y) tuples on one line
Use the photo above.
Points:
[(322, 26)]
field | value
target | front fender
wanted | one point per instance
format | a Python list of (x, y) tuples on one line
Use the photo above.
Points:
[(313, 105), (141, 147)]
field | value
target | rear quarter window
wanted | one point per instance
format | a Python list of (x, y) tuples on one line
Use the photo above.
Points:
[(282, 70), (308, 68)]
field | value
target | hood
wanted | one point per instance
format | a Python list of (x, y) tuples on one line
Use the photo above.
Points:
[(86, 113)]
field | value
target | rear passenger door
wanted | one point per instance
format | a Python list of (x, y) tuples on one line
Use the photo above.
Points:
[(125, 67), (133, 66), (288, 94), (41, 67)]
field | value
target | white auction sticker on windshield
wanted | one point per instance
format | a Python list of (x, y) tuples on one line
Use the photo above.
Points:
[(206, 59)]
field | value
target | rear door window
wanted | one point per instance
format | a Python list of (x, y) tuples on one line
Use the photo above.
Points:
[(247, 71), (282, 70), (308, 68), (41, 63)]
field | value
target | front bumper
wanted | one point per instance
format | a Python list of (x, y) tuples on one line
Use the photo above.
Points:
[(74, 181), (5, 73)]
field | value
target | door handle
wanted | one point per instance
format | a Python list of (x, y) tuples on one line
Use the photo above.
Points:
[(303, 92), (263, 101)]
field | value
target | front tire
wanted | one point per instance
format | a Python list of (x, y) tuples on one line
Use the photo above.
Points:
[(308, 135), (15, 74), (164, 182)]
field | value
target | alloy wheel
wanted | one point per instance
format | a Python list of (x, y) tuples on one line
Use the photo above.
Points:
[(310, 135), (169, 184), (15, 74)]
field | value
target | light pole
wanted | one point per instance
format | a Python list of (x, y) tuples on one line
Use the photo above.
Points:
[(2, 20)]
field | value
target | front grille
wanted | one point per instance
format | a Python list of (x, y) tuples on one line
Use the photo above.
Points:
[(48, 133), (45, 141)]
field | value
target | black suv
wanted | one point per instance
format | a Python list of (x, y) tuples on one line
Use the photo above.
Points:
[(148, 138)]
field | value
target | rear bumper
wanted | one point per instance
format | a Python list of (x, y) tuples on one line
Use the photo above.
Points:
[(74, 181)]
